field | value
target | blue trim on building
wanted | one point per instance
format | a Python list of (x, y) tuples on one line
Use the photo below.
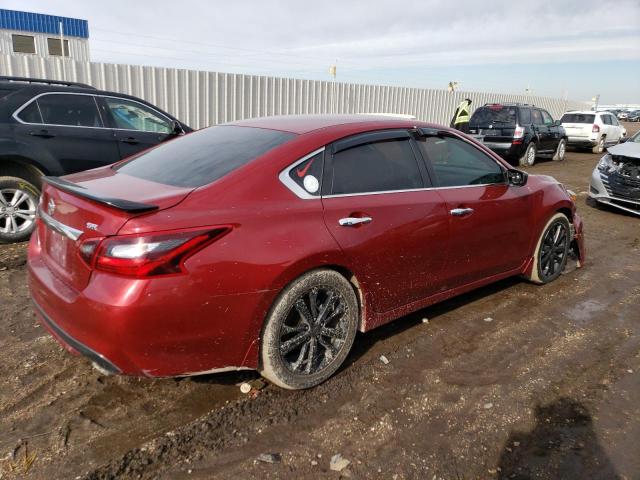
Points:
[(40, 23)]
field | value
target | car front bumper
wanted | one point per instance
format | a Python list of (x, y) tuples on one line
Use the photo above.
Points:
[(600, 190), (155, 328)]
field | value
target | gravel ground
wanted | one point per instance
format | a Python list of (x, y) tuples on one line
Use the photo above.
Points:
[(510, 381)]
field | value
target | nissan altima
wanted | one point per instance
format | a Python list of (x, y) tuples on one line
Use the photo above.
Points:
[(268, 243)]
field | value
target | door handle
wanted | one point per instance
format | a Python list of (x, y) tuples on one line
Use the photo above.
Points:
[(42, 133), (352, 221), (461, 212), (130, 141)]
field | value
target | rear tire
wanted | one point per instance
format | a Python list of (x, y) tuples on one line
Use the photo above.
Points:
[(560, 151), (552, 250), (18, 203), (529, 157), (309, 331), (599, 148)]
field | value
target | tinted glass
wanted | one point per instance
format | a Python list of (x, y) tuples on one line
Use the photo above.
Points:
[(308, 174), (376, 167), (494, 114), (456, 163), (130, 115), (606, 119), (546, 118), (30, 114), (525, 116), (76, 110), (577, 118), (204, 156), (536, 117)]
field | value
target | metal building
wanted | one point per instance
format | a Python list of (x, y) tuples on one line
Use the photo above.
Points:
[(39, 35)]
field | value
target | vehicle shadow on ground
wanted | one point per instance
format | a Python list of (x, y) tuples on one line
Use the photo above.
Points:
[(591, 203), (364, 342), (563, 444)]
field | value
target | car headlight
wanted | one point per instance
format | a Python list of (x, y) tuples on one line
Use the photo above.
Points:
[(605, 163)]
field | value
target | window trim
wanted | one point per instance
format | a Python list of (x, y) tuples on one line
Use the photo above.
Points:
[(65, 52), (95, 96), (293, 186)]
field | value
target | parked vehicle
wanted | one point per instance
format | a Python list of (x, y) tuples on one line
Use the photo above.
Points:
[(634, 117), (623, 115), (616, 179), (52, 127), (519, 133), (272, 241), (594, 130)]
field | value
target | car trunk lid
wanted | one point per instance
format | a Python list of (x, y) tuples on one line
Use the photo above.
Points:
[(92, 205)]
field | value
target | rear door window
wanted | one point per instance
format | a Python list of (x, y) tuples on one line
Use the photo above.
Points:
[(376, 167), (204, 156), (536, 117), (456, 163), (66, 109)]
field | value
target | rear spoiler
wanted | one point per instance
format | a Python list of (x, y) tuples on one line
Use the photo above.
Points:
[(120, 204)]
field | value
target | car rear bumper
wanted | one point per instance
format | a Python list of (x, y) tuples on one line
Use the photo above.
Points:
[(599, 192), (582, 141), (154, 328)]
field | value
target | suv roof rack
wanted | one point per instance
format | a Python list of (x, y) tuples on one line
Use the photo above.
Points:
[(45, 81), (517, 104)]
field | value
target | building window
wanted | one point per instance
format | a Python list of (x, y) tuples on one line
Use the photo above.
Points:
[(24, 44), (54, 47)]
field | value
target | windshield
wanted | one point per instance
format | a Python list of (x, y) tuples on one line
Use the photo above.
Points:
[(577, 118), (635, 138), (494, 114), (204, 156)]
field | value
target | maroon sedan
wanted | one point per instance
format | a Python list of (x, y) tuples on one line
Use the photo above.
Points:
[(266, 244)]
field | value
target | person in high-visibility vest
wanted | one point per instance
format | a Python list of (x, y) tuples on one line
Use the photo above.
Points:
[(460, 120)]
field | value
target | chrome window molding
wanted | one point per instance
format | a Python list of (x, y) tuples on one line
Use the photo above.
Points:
[(16, 117), (69, 232), (425, 189), (293, 186)]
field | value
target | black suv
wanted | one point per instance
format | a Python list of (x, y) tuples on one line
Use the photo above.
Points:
[(56, 128), (519, 132)]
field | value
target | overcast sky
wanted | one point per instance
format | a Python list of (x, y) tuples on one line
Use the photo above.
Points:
[(575, 47)]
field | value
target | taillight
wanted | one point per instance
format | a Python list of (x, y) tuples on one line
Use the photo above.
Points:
[(519, 132), (595, 128), (148, 254)]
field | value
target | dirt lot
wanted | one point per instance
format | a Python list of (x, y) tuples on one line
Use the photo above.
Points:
[(511, 381)]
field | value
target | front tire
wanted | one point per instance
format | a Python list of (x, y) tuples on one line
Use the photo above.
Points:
[(18, 203), (560, 151), (552, 250), (309, 331), (529, 157)]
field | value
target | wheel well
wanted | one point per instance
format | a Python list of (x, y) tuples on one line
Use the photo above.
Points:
[(11, 167), (567, 212), (353, 280)]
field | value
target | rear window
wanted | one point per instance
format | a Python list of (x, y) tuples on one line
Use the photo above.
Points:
[(494, 114), (577, 118), (203, 157)]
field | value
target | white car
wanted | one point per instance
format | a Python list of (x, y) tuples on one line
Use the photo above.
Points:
[(595, 130), (616, 179)]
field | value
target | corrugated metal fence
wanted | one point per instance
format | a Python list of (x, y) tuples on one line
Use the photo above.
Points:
[(203, 98)]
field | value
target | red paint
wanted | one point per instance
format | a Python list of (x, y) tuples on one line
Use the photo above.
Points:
[(210, 313)]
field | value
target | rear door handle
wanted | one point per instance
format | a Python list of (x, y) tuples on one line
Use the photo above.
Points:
[(130, 141), (42, 133), (461, 212), (351, 221)]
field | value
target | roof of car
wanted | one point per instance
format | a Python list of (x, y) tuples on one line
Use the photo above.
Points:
[(301, 124), (586, 112)]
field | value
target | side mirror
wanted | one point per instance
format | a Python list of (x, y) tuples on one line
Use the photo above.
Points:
[(557, 123), (517, 178), (176, 128)]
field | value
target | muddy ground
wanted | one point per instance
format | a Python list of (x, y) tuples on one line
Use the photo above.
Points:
[(511, 381)]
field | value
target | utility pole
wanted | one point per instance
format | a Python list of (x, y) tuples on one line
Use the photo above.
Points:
[(596, 100), (64, 73), (332, 72)]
